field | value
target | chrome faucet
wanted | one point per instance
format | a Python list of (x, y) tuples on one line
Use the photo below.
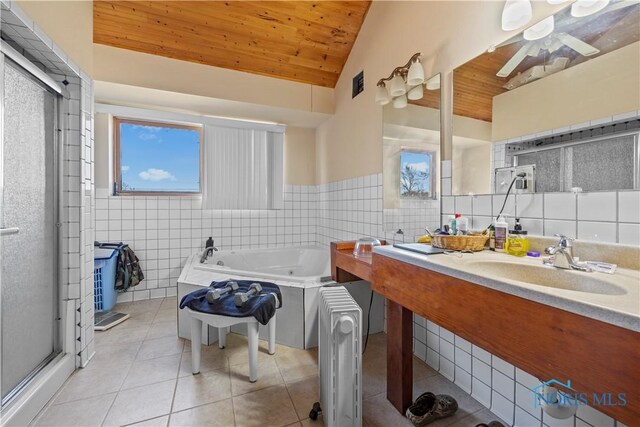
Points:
[(208, 251), (563, 255)]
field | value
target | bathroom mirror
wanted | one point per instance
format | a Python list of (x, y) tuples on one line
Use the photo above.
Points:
[(558, 102), (411, 159)]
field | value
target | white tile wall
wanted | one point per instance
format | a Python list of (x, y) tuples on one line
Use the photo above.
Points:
[(165, 231), (560, 206), (495, 383), (629, 234), (607, 216), (628, 206), (349, 209), (412, 217), (600, 206)]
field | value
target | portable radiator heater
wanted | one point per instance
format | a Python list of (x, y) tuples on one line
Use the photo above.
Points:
[(340, 358)]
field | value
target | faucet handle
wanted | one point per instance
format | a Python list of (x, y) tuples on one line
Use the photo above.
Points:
[(565, 242)]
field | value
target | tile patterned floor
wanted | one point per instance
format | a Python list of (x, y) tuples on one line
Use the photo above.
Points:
[(141, 375)]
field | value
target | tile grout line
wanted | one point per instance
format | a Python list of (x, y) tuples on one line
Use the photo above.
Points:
[(128, 372)]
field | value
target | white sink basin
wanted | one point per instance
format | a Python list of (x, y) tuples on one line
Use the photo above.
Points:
[(542, 275)]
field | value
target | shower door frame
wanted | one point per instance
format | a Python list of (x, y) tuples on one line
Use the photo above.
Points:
[(30, 395)]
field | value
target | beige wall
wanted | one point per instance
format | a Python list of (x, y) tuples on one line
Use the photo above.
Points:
[(447, 33), (69, 24), (103, 154), (300, 156), (598, 88), (471, 128), (470, 169), (413, 116), (157, 72)]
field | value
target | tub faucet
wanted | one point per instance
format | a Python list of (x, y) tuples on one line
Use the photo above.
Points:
[(563, 255), (208, 251)]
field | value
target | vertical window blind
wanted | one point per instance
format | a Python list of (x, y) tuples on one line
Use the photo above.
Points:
[(243, 168)]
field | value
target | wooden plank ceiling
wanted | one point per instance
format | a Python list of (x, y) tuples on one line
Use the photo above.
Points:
[(303, 41), (475, 83)]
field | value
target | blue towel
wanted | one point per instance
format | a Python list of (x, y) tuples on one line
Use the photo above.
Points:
[(262, 306)]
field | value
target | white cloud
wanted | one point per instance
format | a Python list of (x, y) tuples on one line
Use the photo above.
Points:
[(152, 174), (422, 166), (125, 168), (146, 136)]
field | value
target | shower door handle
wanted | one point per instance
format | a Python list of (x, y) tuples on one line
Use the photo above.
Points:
[(8, 231)]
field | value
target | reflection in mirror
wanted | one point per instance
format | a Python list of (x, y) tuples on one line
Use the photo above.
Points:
[(559, 106), (411, 155)]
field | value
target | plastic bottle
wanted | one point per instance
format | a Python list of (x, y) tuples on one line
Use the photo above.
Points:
[(517, 242), (453, 224), (463, 225), (209, 243), (501, 228)]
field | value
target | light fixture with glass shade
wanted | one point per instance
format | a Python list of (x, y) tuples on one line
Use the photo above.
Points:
[(405, 82), (582, 8), (397, 86), (415, 76), (382, 96), (434, 82), (415, 92), (400, 101), (516, 14), (540, 30)]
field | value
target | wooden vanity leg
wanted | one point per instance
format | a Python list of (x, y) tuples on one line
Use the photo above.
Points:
[(399, 356)]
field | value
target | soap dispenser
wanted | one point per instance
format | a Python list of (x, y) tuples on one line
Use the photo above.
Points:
[(517, 242)]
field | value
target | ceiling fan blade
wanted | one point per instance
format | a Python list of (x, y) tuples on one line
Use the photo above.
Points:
[(620, 5), (578, 45), (514, 61)]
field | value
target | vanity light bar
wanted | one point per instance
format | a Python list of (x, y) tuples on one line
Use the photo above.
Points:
[(402, 82)]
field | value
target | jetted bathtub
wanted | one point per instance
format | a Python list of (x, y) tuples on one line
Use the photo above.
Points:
[(299, 271), (306, 264)]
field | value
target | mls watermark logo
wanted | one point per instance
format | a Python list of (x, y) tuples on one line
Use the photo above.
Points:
[(547, 394)]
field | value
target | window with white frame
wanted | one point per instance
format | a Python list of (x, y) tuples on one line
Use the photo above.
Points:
[(157, 157)]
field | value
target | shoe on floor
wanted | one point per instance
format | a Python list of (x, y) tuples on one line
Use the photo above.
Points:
[(491, 424), (429, 407)]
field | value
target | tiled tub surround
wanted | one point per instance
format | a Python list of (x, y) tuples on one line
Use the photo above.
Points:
[(165, 231), (19, 31), (605, 216), (297, 319)]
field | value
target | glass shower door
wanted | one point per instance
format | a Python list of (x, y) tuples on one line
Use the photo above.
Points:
[(28, 241)]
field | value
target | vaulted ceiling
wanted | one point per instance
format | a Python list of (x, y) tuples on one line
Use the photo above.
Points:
[(303, 41)]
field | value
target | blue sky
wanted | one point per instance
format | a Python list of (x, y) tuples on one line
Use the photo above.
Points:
[(155, 158)]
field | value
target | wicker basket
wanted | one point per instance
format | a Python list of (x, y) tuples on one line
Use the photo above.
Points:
[(460, 243)]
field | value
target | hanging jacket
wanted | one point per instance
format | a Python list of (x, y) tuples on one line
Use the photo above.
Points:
[(128, 271)]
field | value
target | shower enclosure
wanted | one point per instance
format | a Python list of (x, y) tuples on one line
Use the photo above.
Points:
[(30, 297)]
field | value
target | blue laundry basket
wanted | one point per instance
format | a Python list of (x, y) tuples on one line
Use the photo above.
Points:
[(104, 278)]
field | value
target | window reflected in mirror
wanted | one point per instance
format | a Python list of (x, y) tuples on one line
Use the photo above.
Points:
[(411, 159)]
